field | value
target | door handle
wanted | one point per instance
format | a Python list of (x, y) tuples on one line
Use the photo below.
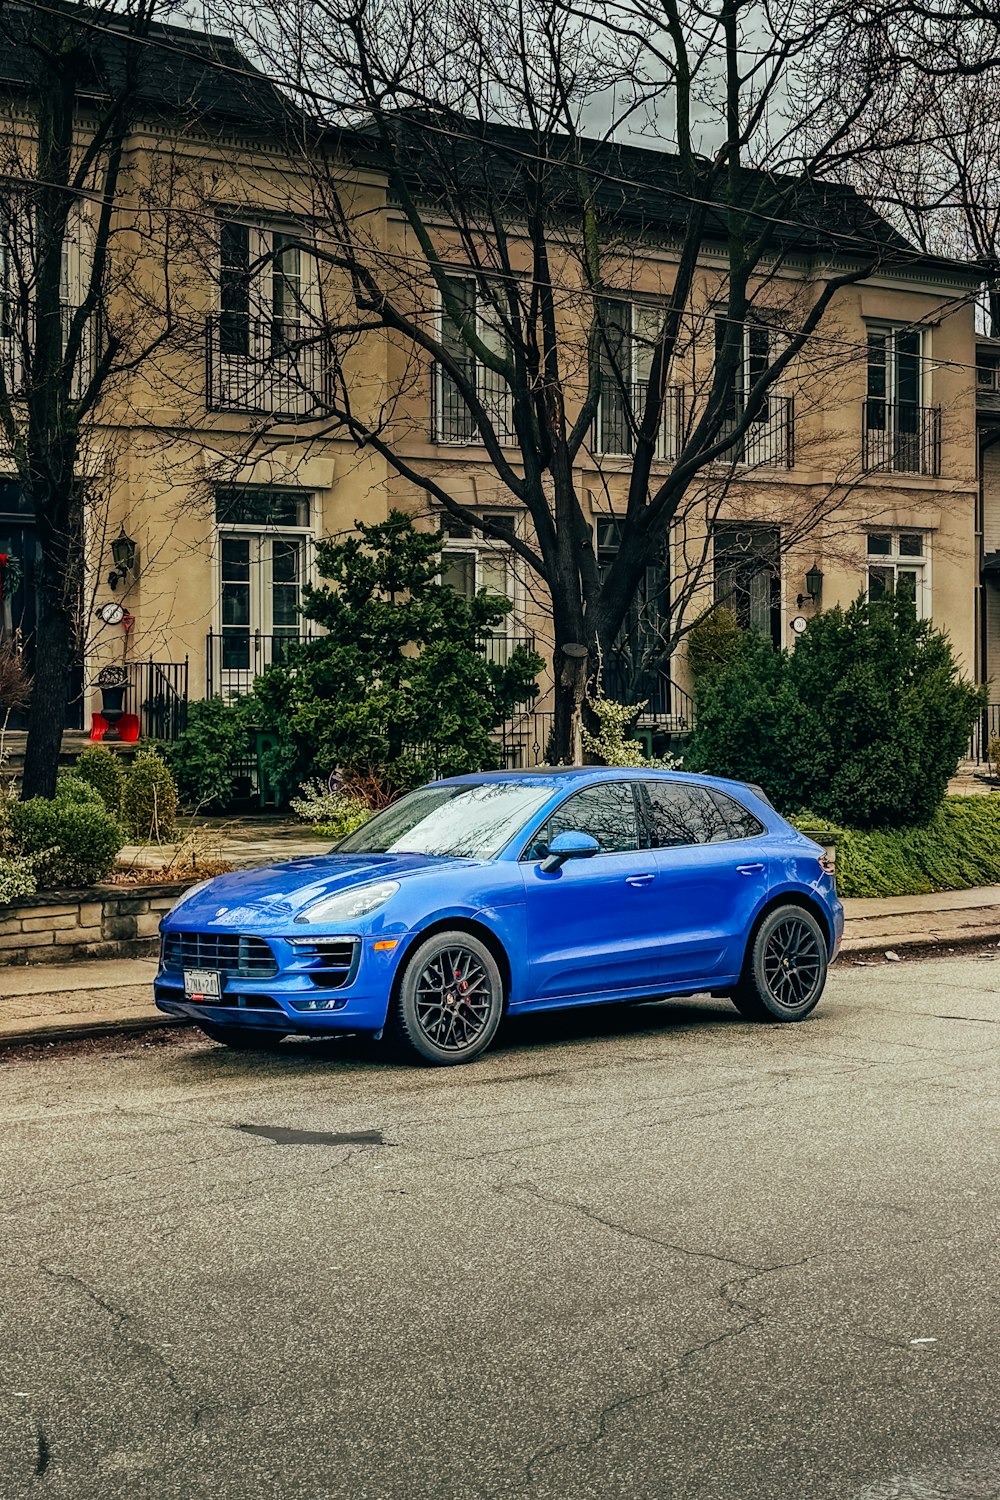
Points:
[(639, 880), (749, 869)]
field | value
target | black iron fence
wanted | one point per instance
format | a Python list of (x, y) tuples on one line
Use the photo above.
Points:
[(158, 695), (899, 438), (769, 441), (235, 658), (986, 726), (264, 366), (620, 412), (452, 421)]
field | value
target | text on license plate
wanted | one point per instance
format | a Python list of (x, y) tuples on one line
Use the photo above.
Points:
[(201, 984)]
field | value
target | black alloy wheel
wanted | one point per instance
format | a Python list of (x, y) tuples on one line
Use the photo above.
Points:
[(785, 968), (450, 999)]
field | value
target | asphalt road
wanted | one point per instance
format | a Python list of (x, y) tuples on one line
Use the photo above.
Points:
[(646, 1252)]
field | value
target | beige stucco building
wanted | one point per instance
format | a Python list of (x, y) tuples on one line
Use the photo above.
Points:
[(213, 457)]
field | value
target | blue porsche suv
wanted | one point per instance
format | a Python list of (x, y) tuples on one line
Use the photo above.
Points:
[(511, 891)]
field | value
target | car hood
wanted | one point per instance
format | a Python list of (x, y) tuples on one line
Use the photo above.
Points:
[(271, 894)]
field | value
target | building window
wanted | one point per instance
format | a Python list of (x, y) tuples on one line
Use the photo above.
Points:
[(452, 419), (637, 671), (898, 566), (262, 293), (471, 561), (748, 576), (264, 550), (767, 440), (631, 333), (901, 435)]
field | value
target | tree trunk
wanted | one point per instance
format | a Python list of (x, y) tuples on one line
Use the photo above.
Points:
[(54, 654)]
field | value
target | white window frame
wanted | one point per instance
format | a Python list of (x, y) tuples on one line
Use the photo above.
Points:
[(640, 358), (233, 680), (479, 547), (494, 395), (897, 562)]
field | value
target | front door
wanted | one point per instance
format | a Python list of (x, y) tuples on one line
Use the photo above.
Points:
[(261, 590), (712, 872), (593, 925)]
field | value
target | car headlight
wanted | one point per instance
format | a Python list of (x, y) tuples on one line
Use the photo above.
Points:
[(192, 890), (347, 905)]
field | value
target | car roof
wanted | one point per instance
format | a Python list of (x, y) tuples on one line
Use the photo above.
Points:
[(597, 773)]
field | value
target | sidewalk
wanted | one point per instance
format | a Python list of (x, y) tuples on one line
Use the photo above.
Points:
[(99, 997), (953, 918)]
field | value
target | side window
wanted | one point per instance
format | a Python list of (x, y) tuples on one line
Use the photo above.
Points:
[(677, 814), (605, 811), (740, 824)]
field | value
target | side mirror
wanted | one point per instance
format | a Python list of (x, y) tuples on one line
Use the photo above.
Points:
[(569, 845)]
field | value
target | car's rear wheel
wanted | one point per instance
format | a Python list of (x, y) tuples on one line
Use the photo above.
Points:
[(784, 972), (449, 1000), (244, 1038)]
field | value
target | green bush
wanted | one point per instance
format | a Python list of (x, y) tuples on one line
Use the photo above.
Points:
[(613, 745), (399, 683), (69, 843), (102, 769), (73, 790), (714, 641), (17, 878), (863, 723), (206, 759), (149, 799), (333, 814), (959, 847)]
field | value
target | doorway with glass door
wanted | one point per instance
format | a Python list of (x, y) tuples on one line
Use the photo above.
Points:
[(262, 569)]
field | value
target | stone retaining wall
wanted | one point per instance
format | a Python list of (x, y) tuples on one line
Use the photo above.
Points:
[(106, 921)]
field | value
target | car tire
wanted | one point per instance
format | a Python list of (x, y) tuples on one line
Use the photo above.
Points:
[(449, 1001), (785, 968), (243, 1038)]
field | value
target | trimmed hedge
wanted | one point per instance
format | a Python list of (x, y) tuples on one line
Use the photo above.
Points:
[(69, 843), (959, 847)]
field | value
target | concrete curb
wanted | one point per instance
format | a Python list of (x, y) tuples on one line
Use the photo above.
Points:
[(85, 1030)]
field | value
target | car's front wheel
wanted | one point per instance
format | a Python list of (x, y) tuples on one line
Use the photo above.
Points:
[(449, 1000), (785, 968), (244, 1038)]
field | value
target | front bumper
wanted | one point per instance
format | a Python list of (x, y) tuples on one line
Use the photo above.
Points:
[(294, 998)]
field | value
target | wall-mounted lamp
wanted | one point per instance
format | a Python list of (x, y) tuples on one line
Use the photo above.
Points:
[(123, 557), (814, 587)]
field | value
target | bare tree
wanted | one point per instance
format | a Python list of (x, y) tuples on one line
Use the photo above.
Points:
[(97, 264), (515, 247)]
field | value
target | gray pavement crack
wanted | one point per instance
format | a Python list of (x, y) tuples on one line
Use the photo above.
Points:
[(668, 1375), (625, 1230), (122, 1321)]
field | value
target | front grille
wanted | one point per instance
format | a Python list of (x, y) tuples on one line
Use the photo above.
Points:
[(333, 961), (229, 952)]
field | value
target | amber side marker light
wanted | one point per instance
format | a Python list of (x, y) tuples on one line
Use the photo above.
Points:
[(386, 945)]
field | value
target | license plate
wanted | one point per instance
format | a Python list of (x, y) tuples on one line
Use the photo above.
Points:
[(201, 984)]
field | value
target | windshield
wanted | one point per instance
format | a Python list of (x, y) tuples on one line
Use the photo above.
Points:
[(473, 821)]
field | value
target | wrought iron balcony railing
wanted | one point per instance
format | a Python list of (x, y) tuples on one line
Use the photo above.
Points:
[(264, 367), (452, 421), (899, 438), (619, 414), (769, 441), (236, 656), (17, 340)]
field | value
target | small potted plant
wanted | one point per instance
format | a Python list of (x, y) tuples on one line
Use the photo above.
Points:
[(113, 682)]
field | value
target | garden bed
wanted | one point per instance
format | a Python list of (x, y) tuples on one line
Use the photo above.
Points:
[(102, 921), (958, 848)]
